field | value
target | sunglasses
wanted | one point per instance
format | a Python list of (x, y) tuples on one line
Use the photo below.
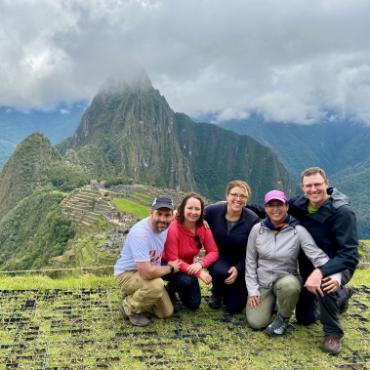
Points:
[(198, 242)]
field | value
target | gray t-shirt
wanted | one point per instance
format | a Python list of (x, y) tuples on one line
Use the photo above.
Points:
[(142, 244)]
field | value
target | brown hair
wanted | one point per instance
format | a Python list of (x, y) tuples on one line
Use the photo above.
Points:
[(180, 216), (313, 171), (241, 184)]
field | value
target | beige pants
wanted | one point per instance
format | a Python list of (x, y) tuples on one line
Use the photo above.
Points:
[(144, 295), (284, 292)]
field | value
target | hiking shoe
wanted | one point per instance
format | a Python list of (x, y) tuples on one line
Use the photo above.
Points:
[(176, 304), (215, 302), (138, 319), (344, 306), (331, 345), (278, 327)]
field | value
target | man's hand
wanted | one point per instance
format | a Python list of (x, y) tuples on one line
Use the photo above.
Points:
[(254, 301), (313, 282), (175, 264), (194, 268), (233, 275), (329, 285), (205, 276)]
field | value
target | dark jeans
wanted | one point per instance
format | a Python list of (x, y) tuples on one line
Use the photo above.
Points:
[(187, 287), (234, 295), (310, 307)]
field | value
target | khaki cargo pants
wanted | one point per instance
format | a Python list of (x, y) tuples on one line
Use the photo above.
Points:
[(144, 295), (284, 292)]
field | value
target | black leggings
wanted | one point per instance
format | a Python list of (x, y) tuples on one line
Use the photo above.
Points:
[(187, 287), (234, 295)]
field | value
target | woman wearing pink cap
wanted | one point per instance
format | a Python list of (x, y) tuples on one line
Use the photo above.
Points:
[(271, 265)]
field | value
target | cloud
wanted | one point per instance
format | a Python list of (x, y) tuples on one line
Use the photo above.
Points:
[(291, 60)]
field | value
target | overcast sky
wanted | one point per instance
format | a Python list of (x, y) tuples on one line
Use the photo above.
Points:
[(289, 60)]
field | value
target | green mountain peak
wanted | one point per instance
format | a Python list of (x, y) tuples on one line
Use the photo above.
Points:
[(146, 140), (24, 171)]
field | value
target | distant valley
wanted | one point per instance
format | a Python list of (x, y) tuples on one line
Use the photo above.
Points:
[(341, 148)]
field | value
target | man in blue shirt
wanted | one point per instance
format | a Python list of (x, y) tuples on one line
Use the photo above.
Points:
[(138, 269)]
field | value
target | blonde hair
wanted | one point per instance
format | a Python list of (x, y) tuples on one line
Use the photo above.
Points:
[(238, 183)]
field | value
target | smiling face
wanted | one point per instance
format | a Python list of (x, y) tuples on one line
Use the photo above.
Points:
[(315, 188), (276, 211), (160, 219), (236, 199), (192, 210)]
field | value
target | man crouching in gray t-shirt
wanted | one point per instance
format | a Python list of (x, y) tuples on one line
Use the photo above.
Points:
[(138, 269)]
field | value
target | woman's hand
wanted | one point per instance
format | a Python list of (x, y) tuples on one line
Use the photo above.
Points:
[(194, 268), (233, 275), (254, 301), (205, 276), (175, 264)]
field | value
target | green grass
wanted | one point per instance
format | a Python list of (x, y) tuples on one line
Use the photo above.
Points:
[(144, 198), (33, 281), (76, 323), (43, 282), (129, 206)]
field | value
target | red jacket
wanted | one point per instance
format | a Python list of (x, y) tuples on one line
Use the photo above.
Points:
[(180, 244)]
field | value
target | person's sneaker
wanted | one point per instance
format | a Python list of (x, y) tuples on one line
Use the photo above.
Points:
[(278, 327), (331, 345), (344, 306), (138, 319), (215, 302), (176, 304)]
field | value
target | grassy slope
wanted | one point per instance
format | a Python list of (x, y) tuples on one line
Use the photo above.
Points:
[(129, 206)]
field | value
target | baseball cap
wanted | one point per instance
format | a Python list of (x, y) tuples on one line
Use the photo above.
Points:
[(162, 202), (275, 195)]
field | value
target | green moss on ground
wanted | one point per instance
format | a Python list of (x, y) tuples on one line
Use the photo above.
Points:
[(76, 323)]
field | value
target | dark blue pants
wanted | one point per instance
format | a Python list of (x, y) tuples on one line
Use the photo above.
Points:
[(234, 295), (310, 307), (187, 287)]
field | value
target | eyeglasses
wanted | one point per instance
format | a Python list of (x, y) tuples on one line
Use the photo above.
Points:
[(316, 185), (240, 196), (198, 242)]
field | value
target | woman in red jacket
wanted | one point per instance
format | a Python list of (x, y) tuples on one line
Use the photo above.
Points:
[(187, 235)]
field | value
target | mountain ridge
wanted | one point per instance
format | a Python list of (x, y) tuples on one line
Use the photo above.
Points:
[(144, 138), (341, 148)]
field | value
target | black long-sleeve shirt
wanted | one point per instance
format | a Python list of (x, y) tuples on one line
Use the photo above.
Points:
[(232, 244)]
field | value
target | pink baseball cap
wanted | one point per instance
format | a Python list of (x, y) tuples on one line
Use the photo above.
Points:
[(275, 195)]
